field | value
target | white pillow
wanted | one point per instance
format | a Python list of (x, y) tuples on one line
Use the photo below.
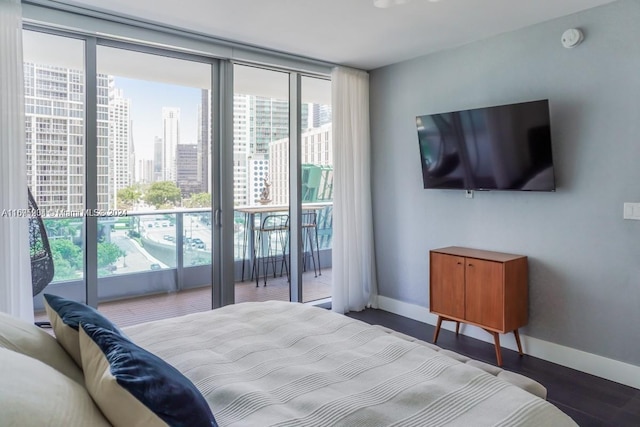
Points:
[(35, 394), (28, 339)]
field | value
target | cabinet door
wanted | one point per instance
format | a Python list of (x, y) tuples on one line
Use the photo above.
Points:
[(447, 285), (484, 293)]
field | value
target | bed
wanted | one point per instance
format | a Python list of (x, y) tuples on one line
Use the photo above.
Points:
[(286, 364)]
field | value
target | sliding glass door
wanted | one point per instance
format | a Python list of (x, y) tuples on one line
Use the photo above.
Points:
[(119, 162), (125, 147), (153, 173), (261, 183)]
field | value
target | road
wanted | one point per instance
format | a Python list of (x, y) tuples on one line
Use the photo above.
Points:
[(137, 259)]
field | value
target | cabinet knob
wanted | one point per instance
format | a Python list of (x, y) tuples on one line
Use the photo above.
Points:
[(459, 263), (470, 265)]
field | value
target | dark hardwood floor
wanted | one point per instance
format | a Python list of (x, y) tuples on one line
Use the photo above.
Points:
[(591, 401)]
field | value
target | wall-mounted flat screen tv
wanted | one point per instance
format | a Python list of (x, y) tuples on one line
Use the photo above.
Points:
[(506, 147)]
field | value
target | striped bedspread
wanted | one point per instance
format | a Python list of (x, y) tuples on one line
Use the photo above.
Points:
[(284, 364)]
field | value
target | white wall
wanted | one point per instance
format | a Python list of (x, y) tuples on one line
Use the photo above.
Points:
[(584, 259)]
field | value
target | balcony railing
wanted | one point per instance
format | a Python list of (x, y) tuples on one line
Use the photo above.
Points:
[(151, 252)]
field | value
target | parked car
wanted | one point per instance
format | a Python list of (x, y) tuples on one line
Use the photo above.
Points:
[(156, 266)]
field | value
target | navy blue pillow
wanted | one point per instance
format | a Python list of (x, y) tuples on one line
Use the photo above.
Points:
[(153, 382), (73, 313), (66, 315)]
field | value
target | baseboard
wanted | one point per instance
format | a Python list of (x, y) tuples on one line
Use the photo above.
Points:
[(593, 364)]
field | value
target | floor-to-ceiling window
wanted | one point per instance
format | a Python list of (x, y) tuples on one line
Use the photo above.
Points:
[(54, 73), (119, 143)]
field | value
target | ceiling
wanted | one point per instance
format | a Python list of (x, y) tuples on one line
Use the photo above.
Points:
[(347, 32)]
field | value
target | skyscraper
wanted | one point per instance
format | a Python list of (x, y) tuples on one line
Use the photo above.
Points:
[(145, 172), (55, 141), (321, 114), (257, 122), (120, 143), (241, 136), (317, 166), (204, 152), (158, 159), (187, 169), (171, 139)]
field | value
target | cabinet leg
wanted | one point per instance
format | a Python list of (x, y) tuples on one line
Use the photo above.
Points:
[(517, 335), (457, 328), (496, 342), (437, 332)]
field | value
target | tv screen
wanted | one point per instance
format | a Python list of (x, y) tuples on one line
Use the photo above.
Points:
[(506, 147)]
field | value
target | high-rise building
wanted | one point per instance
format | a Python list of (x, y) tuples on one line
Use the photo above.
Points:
[(158, 159), (268, 121), (317, 164), (55, 141), (241, 137), (171, 139), (187, 169), (120, 143), (145, 172), (321, 114), (204, 151), (258, 121)]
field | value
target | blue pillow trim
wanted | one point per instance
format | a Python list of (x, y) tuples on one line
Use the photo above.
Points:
[(72, 313), (151, 380)]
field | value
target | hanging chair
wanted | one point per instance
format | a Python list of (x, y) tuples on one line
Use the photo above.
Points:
[(39, 249)]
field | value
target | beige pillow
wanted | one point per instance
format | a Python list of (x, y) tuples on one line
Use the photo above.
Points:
[(35, 394), (28, 339)]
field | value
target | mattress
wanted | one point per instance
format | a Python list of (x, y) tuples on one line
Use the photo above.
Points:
[(287, 364)]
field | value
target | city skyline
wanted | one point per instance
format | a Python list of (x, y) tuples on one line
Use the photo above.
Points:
[(139, 129), (148, 99)]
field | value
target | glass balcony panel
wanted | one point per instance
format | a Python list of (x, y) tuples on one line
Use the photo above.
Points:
[(317, 187)]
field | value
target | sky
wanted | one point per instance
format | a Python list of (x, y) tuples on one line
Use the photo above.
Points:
[(147, 100)]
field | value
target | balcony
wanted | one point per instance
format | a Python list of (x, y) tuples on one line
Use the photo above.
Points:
[(154, 265)]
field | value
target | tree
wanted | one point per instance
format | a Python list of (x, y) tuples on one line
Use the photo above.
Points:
[(67, 250), (198, 200), (162, 194), (62, 227), (108, 253), (67, 259), (62, 269), (128, 196)]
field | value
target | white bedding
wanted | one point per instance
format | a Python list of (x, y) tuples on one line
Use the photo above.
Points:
[(284, 364)]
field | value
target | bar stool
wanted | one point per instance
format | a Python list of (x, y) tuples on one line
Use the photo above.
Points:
[(309, 237), (272, 241)]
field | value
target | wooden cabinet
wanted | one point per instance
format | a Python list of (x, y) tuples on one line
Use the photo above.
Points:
[(481, 288)]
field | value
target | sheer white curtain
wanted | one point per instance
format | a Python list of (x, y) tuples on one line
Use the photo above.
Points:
[(15, 264), (353, 261)]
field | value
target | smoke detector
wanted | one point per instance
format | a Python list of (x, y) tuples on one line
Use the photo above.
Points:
[(572, 38)]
